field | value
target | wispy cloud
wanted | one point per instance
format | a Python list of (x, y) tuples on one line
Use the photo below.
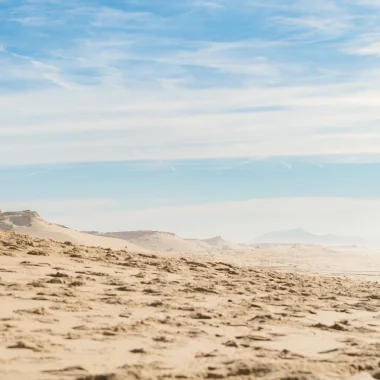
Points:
[(365, 45), (162, 81), (39, 172), (373, 3), (287, 166), (309, 25), (209, 4), (106, 17)]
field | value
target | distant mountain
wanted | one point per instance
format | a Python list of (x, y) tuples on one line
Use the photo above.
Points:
[(300, 236)]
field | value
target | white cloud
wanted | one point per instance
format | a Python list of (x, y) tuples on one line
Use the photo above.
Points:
[(238, 58), (287, 166), (209, 4), (322, 25), (95, 124), (51, 74), (115, 18), (118, 95), (372, 3), (365, 45)]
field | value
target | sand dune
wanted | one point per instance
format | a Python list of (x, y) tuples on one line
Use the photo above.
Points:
[(31, 224), (160, 241), (71, 312), (220, 243)]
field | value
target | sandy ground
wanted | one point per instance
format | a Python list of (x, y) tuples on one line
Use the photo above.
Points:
[(71, 312), (344, 262)]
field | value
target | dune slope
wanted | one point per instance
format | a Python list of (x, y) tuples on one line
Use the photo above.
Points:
[(220, 243), (160, 241), (30, 223)]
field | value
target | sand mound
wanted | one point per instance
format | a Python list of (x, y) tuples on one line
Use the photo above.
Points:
[(21, 218), (219, 242), (30, 223), (160, 241)]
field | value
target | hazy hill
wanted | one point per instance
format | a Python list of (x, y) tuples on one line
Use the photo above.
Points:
[(30, 223), (301, 236), (159, 241), (220, 243)]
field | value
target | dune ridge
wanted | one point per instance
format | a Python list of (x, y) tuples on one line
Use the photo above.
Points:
[(220, 243), (160, 241), (30, 223)]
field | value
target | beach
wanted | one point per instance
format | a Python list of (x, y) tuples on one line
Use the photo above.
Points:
[(77, 312)]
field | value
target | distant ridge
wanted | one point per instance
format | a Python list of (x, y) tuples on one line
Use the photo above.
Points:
[(130, 234), (159, 241), (300, 236), (10, 220), (30, 223), (219, 242)]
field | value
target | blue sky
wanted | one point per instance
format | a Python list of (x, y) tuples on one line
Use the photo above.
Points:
[(139, 113)]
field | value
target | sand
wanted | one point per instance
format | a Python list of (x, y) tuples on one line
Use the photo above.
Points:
[(220, 243), (159, 241), (31, 224), (72, 312)]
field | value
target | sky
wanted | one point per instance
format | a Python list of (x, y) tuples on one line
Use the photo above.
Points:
[(201, 117)]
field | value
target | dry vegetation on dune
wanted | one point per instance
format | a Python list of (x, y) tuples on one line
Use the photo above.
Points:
[(75, 312)]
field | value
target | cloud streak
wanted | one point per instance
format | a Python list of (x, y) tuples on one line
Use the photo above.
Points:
[(169, 83)]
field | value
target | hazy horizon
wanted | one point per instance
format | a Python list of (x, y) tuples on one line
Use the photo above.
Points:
[(222, 217)]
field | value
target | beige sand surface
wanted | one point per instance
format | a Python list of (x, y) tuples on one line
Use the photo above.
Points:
[(339, 261), (71, 312)]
